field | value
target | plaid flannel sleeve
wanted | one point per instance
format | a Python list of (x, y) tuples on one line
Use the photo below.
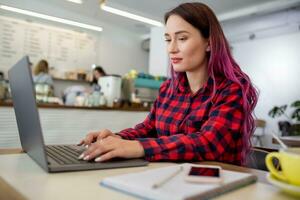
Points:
[(220, 133), (147, 127), (141, 130)]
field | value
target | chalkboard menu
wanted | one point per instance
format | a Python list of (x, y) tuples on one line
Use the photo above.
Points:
[(63, 49)]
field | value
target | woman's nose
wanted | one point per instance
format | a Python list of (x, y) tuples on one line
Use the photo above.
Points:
[(172, 47)]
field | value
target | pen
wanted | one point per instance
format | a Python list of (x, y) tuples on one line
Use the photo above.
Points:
[(166, 179)]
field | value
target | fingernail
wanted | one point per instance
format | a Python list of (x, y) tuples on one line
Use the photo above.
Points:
[(86, 146), (98, 159), (81, 156), (86, 157)]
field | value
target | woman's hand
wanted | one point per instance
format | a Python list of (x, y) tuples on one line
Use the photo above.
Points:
[(94, 136), (111, 147)]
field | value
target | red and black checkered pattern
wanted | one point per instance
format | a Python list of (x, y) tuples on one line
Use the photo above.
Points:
[(191, 127)]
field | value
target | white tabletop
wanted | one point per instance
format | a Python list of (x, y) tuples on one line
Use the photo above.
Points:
[(33, 182)]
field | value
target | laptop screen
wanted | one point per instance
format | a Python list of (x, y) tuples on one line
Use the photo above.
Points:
[(27, 116)]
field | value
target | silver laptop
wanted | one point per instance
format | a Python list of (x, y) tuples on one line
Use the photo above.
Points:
[(52, 158)]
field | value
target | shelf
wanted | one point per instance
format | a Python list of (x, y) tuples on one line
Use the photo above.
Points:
[(134, 108), (71, 80)]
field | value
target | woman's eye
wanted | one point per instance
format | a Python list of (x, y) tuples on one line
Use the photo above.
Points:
[(167, 40), (182, 38)]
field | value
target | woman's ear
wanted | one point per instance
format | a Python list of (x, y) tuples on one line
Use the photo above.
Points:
[(208, 47)]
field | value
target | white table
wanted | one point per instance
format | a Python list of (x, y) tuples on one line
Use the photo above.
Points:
[(26, 177)]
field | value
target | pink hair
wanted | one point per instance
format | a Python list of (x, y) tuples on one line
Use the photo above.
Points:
[(220, 61)]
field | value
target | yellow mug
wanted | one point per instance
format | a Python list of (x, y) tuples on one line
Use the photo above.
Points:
[(289, 160)]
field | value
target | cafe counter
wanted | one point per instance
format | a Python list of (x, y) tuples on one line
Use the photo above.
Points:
[(68, 124)]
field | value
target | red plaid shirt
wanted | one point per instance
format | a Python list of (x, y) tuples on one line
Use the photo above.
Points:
[(186, 127)]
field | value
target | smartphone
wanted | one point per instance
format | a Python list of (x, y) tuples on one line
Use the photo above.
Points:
[(204, 174)]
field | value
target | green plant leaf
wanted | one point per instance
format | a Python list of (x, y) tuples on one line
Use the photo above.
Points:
[(296, 114), (296, 104), (277, 111)]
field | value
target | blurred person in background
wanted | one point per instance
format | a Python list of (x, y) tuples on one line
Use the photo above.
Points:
[(41, 73), (98, 72)]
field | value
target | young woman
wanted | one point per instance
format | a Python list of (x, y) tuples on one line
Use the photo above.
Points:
[(204, 112), (98, 72), (41, 73)]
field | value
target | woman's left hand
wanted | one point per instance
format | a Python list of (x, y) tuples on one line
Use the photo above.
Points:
[(111, 147)]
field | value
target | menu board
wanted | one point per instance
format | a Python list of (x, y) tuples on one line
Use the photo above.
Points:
[(64, 49)]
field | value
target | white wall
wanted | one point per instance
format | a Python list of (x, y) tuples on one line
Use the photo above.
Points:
[(158, 58), (262, 26), (273, 64), (121, 51)]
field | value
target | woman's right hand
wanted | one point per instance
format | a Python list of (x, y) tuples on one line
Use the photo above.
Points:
[(94, 136)]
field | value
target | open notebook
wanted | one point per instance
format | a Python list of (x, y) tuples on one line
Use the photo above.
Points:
[(140, 184)]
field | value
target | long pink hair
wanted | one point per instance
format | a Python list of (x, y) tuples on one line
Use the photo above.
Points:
[(220, 61)]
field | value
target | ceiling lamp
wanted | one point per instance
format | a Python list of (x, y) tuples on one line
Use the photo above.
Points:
[(51, 18), (128, 15), (76, 1)]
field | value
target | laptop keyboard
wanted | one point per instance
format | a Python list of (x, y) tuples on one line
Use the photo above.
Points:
[(65, 154)]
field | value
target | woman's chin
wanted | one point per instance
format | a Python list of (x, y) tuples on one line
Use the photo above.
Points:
[(179, 69)]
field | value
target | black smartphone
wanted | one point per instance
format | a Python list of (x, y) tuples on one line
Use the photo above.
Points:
[(204, 173)]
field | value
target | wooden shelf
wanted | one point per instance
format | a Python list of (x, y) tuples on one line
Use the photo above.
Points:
[(57, 106), (72, 80)]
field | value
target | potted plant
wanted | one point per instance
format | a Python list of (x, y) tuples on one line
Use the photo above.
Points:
[(292, 125)]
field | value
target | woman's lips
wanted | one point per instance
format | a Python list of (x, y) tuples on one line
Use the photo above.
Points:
[(176, 60)]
